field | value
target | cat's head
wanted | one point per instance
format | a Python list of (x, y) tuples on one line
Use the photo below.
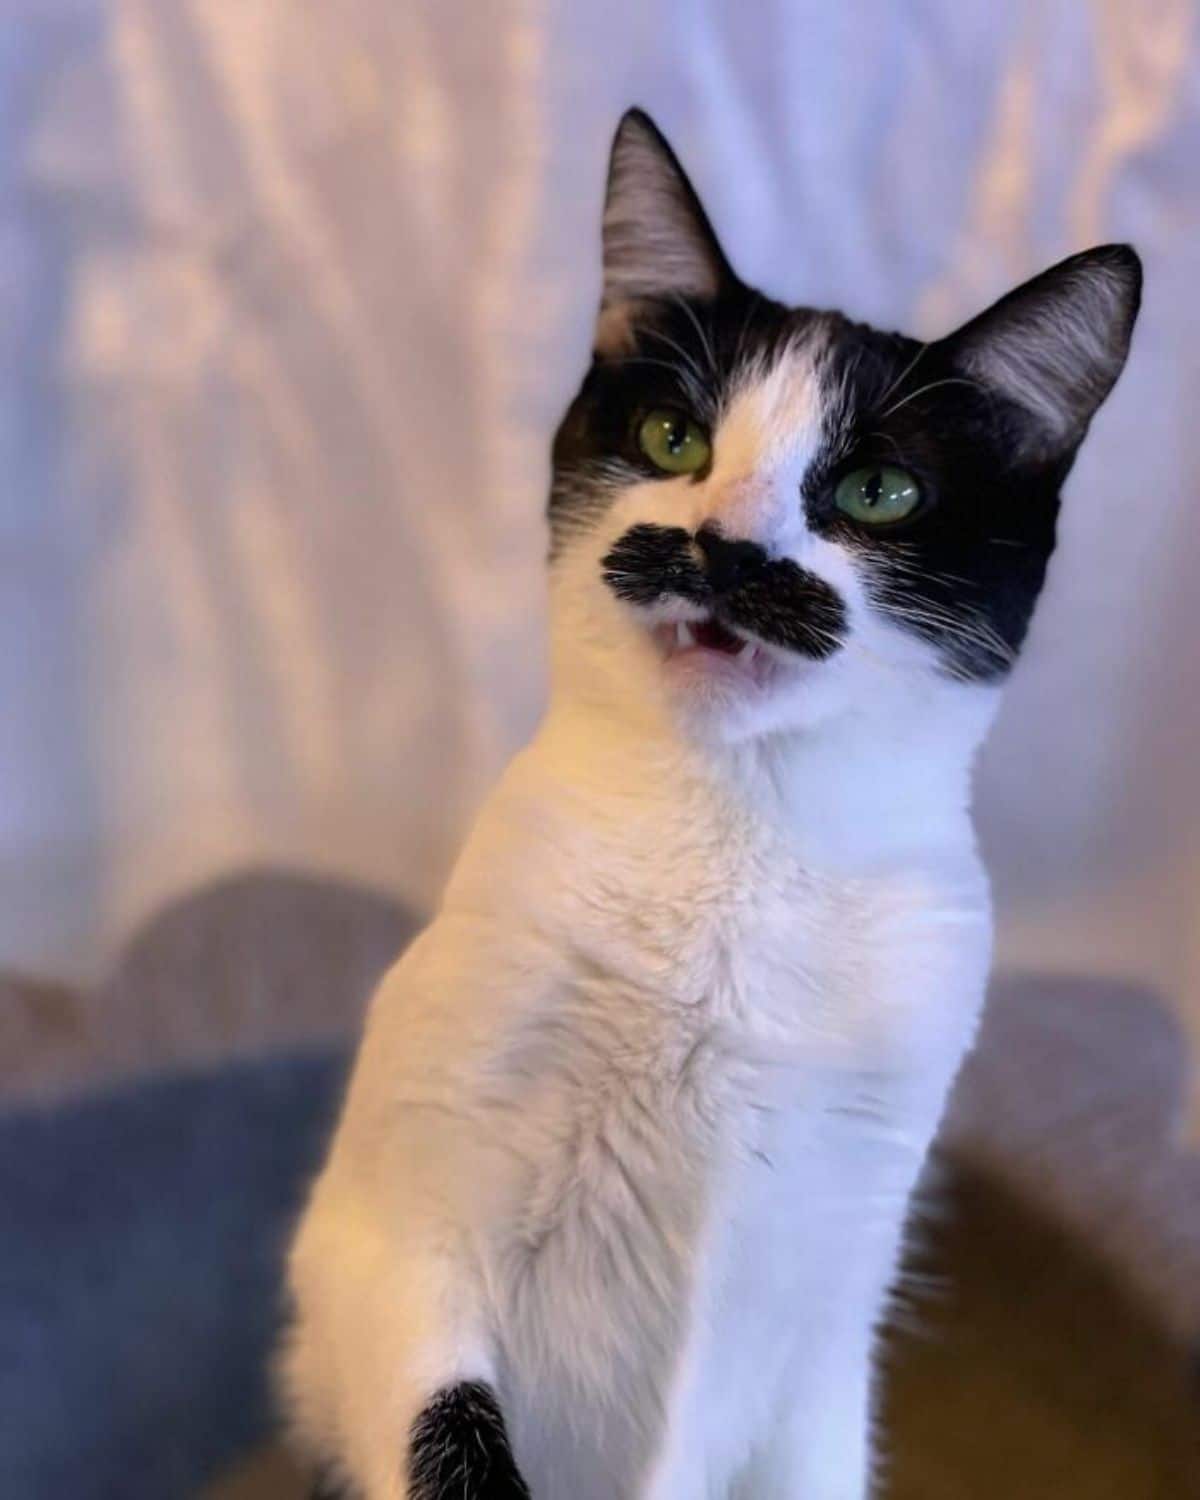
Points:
[(764, 517)]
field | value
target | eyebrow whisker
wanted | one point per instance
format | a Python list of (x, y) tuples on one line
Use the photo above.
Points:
[(705, 341), (904, 374), (923, 390)]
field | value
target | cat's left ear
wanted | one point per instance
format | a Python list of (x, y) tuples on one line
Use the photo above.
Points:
[(658, 242), (1055, 346)]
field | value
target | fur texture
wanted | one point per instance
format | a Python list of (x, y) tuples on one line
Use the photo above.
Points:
[(635, 1122)]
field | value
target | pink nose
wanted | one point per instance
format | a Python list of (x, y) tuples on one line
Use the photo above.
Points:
[(744, 508)]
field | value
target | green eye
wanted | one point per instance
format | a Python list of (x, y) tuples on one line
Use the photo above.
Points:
[(673, 442), (877, 495)]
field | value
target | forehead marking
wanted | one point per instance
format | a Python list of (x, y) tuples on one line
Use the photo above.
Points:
[(775, 413)]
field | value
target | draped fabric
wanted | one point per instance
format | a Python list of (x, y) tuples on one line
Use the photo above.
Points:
[(290, 295)]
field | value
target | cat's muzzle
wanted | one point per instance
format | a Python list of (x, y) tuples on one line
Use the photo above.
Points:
[(746, 594)]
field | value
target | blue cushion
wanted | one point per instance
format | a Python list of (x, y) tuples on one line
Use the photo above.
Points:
[(141, 1241)]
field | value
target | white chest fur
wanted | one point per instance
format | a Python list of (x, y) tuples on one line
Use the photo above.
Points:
[(714, 1101), (639, 1114)]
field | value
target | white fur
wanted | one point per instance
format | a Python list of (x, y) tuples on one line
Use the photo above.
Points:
[(635, 1122)]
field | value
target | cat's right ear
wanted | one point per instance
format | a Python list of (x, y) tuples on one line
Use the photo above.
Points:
[(658, 242)]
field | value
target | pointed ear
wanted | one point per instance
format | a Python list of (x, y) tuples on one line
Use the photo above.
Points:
[(657, 239), (1056, 345)]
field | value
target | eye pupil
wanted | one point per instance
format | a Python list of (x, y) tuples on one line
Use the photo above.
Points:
[(879, 495), (672, 441)]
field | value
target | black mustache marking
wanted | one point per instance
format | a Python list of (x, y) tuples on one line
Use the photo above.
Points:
[(790, 607), (779, 601), (650, 562)]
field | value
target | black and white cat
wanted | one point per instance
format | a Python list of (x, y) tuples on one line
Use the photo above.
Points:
[(620, 1183)]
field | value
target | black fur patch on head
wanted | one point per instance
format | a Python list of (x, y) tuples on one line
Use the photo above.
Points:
[(459, 1449), (682, 353), (987, 420), (965, 571)]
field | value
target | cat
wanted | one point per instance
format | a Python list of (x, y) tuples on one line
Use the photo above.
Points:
[(620, 1184)]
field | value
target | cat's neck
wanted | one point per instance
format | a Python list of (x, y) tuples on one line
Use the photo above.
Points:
[(862, 790)]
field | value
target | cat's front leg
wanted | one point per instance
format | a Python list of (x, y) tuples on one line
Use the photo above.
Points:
[(819, 1443), (388, 1370), (824, 1452), (814, 1445), (823, 1455)]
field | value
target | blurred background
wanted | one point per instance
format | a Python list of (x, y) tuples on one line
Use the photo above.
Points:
[(291, 295)]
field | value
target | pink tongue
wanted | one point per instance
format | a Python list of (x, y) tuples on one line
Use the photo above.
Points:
[(714, 637)]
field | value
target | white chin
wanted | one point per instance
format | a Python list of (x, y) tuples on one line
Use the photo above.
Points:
[(729, 698)]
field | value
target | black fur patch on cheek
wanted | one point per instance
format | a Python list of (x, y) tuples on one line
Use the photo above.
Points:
[(459, 1449), (650, 562), (790, 607), (975, 623)]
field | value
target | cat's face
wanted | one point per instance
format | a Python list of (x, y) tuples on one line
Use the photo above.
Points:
[(768, 516)]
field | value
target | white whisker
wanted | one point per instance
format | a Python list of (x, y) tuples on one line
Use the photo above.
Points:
[(688, 358), (705, 341), (903, 375), (925, 389)]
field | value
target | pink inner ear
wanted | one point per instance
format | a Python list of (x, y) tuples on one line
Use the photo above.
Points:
[(1055, 345)]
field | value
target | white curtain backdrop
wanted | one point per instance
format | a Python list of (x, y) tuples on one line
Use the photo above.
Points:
[(291, 293)]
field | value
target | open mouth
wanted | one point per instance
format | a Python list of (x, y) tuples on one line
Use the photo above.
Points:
[(704, 637)]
